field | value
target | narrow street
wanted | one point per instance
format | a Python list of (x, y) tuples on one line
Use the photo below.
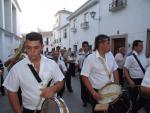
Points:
[(72, 100)]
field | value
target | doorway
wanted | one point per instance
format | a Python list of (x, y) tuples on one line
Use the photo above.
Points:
[(118, 42)]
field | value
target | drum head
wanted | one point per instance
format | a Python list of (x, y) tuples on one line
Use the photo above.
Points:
[(110, 93)]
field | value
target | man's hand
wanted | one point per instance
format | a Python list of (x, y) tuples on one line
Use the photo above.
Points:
[(1, 72), (97, 96), (131, 84), (47, 92)]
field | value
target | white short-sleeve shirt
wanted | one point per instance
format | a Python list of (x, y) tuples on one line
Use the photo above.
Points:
[(62, 65), (94, 69), (21, 76), (133, 67), (146, 79)]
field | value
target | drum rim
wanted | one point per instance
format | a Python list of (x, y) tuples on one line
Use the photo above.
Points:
[(60, 103)]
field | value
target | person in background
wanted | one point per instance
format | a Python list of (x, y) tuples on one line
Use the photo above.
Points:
[(2, 78), (94, 74), (21, 76), (134, 73), (84, 52), (120, 60), (62, 67)]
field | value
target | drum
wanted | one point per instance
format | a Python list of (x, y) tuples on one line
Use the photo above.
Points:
[(54, 105), (143, 94), (118, 100)]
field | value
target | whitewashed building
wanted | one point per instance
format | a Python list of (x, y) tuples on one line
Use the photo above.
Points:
[(123, 20), (47, 41), (61, 29), (82, 26), (9, 27)]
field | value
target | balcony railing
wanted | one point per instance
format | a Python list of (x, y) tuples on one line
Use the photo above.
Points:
[(117, 5), (84, 25), (73, 29)]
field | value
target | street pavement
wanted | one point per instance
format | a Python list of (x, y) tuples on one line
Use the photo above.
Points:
[(72, 100)]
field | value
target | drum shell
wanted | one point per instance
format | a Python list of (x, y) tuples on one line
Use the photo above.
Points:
[(121, 105)]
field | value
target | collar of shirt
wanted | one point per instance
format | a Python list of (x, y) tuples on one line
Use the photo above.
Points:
[(137, 54), (98, 55), (27, 61)]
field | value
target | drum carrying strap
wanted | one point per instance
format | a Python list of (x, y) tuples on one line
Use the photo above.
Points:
[(36, 75), (139, 63), (105, 68)]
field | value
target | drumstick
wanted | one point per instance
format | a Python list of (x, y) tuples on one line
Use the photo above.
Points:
[(110, 94)]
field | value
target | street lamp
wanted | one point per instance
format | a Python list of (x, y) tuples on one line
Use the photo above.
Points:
[(93, 13)]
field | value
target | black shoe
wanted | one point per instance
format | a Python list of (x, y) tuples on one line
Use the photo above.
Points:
[(84, 104)]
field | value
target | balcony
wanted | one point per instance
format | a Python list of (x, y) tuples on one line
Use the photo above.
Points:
[(84, 25), (117, 5), (73, 29)]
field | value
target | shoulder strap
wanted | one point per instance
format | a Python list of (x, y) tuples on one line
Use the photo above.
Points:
[(85, 57), (35, 73), (139, 63)]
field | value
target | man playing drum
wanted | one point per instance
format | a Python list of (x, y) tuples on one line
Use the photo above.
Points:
[(99, 69), (21, 76), (145, 89), (134, 69)]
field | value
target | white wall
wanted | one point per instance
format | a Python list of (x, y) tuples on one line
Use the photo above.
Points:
[(133, 20), (9, 23), (85, 34)]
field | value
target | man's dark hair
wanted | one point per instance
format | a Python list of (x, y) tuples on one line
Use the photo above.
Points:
[(100, 39), (34, 36), (57, 48), (136, 43), (85, 42)]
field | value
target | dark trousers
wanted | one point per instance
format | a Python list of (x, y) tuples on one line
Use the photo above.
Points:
[(83, 92), (134, 94), (121, 79), (68, 80), (72, 69), (2, 87), (147, 105), (30, 111), (61, 92)]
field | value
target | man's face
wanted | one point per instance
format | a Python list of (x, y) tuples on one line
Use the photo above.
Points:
[(85, 48), (33, 49), (105, 46), (139, 48), (55, 55)]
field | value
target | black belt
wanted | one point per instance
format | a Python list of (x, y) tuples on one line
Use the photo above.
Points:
[(25, 110)]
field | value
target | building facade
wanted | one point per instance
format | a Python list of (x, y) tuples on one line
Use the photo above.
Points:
[(47, 41), (61, 29), (123, 20), (9, 27)]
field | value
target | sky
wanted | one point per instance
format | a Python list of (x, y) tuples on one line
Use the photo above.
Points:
[(41, 13)]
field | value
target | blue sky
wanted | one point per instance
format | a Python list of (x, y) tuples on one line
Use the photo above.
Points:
[(40, 13)]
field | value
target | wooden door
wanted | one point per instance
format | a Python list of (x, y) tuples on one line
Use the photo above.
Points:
[(116, 44)]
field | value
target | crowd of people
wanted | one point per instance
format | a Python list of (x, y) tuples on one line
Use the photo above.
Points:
[(96, 69)]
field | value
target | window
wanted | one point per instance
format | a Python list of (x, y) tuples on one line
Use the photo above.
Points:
[(74, 23), (86, 19), (148, 43), (47, 41), (65, 33), (117, 5)]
